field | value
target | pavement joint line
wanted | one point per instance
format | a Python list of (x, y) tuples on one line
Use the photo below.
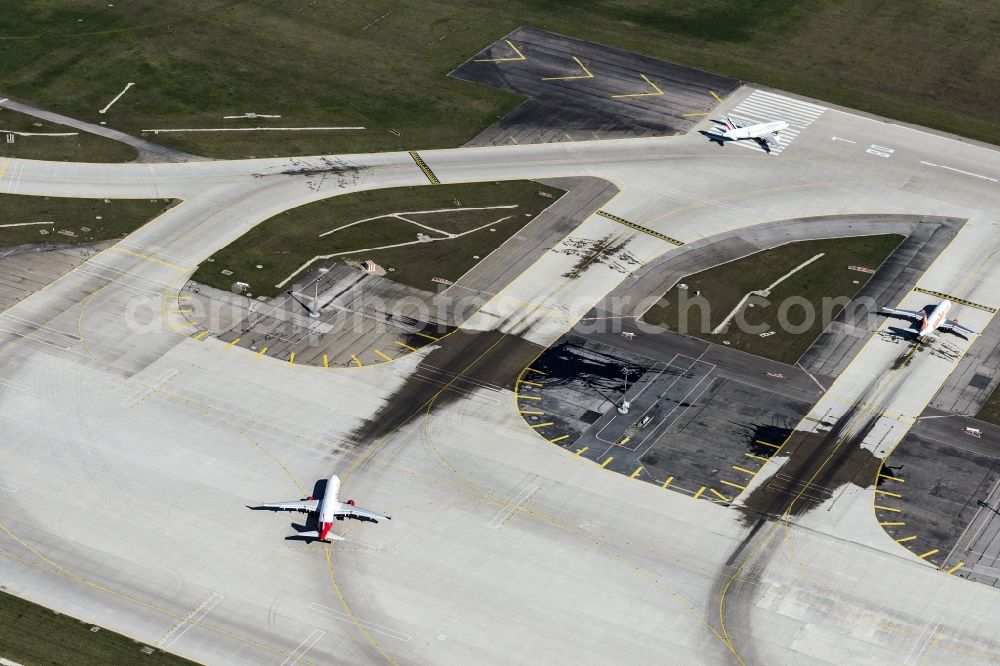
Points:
[(520, 56), (521, 411), (355, 359), (542, 425), (639, 227), (656, 90), (586, 73), (720, 495), (582, 451), (744, 470), (905, 539), (891, 523), (423, 167), (930, 552), (637, 472), (734, 485), (261, 353), (231, 343), (698, 493), (536, 370), (201, 335), (956, 299), (382, 354), (955, 568), (887, 508), (326, 361), (607, 462), (403, 344), (560, 438), (891, 478), (667, 482), (519, 396)]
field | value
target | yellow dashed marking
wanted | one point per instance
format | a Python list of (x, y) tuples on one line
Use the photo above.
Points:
[(201, 335), (429, 337), (891, 523), (716, 96), (639, 227), (699, 492), (524, 381), (924, 556), (356, 361), (406, 346), (750, 455), (607, 462), (886, 492), (232, 343), (559, 438), (887, 508), (637, 472), (423, 167), (667, 482), (734, 485), (905, 539), (527, 412), (773, 446), (326, 361), (956, 567), (580, 452), (527, 397), (541, 425), (744, 470), (261, 352), (291, 359), (383, 355), (538, 371), (891, 478), (956, 299)]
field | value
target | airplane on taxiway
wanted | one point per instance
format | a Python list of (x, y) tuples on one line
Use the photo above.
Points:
[(765, 134), (933, 321), (327, 509)]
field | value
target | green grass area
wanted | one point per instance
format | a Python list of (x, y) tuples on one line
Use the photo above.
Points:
[(331, 63), (990, 411), (283, 243), (36, 636), (83, 147), (723, 287), (79, 217)]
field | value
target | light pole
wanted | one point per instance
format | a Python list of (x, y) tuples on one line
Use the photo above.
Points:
[(624, 408)]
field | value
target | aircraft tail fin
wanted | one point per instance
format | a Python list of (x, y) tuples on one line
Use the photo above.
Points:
[(729, 122)]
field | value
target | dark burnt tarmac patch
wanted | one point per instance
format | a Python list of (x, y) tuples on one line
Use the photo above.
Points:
[(466, 362), (609, 251)]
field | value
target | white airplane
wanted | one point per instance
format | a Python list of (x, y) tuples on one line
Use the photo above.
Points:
[(327, 509), (936, 320), (766, 134)]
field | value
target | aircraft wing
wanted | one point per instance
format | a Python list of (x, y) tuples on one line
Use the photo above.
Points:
[(771, 139), (350, 511), (909, 314), (291, 505), (951, 325)]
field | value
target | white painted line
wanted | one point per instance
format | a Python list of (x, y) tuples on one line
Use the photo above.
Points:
[(303, 647), (22, 224), (6, 487), (117, 97), (193, 618), (344, 617), (965, 173), (921, 646), (512, 506), (6, 383), (837, 138), (4, 100), (250, 129), (3, 131), (149, 388)]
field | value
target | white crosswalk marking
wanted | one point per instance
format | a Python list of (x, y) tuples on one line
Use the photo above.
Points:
[(762, 107)]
